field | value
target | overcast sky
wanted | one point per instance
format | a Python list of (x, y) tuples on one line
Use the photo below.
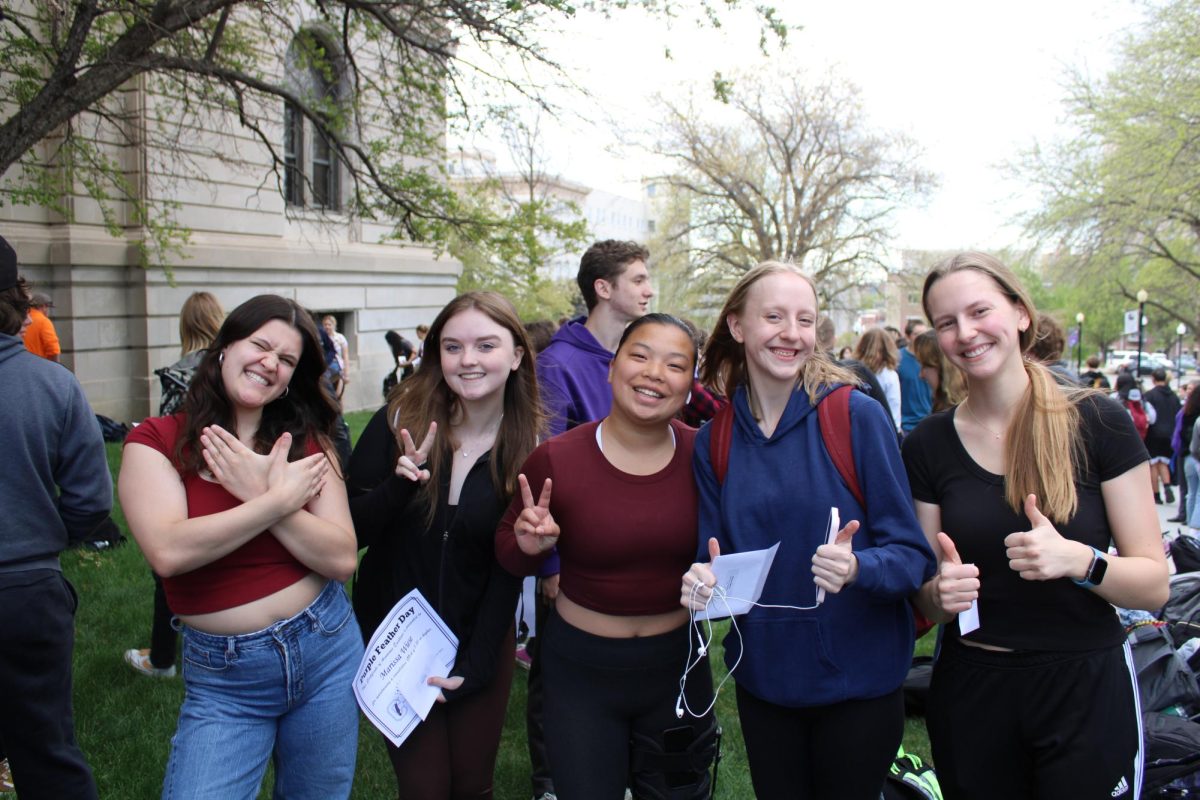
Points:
[(972, 82)]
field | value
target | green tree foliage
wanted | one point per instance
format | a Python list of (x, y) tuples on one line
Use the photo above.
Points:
[(403, 65), (788, 168), (1121, 200)]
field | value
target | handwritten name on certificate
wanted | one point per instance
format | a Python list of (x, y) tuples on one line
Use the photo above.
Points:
[(410, 645)]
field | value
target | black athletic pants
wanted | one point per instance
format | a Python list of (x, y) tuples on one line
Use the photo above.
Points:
[(610, 705), (837, 752), (1044, 726), (163, 636), (37, 635)]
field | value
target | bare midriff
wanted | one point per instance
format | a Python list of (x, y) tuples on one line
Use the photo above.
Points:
[(261, 613), (614, 626)]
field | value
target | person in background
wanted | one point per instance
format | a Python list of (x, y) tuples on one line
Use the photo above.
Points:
[(403, 352), (341, 348), (422, 332), (1092, 377), (1022, 490), (877, 352), (540, 331), (199, 320), (1158, 438), (41, 338), (945, 379), (916, 398), (868, 384), (56, 490), (1181, 439), (1190, 413), (1047, 347), (701, 405)]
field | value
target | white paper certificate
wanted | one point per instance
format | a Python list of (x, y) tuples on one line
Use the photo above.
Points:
[(411, 644), (742, 576)]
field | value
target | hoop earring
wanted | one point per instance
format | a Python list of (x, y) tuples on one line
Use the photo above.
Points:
[(221, 357), (688, 400), (286, 389)]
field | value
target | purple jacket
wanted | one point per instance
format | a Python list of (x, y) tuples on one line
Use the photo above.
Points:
[(573, 374)]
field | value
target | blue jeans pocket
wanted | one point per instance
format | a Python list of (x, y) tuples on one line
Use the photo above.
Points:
[(204, 658), (331, 620)]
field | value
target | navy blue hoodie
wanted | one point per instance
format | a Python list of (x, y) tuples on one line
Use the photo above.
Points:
[(858, 644)]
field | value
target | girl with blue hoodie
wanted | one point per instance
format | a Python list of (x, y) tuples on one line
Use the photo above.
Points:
[(818, 683)]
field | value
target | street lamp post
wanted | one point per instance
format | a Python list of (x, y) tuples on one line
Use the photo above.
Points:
[(1079, 343), (1142, 297), (1181, 330)]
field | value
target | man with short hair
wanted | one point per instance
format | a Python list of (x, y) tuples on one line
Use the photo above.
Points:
[(40, 337), (573, 375), (56, 491), (916, 398), (573, 369)]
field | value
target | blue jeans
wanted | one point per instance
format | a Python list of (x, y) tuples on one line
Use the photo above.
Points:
[(285, 689), (1191, 470)]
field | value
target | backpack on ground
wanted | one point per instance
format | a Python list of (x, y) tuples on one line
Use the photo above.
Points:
[(1163, 675), (833, 418), (1185, 552), (111, 430), (910, 779), (1172, 756), (1182, 611)]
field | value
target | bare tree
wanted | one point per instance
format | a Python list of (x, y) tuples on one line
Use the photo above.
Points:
[(788, 168)]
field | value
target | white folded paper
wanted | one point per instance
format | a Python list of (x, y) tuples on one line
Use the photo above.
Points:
[(741, 576), (410, 645)]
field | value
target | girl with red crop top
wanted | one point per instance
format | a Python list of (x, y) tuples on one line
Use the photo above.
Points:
[(1022, 490), (427, 517), (621, 494), (234, 503)]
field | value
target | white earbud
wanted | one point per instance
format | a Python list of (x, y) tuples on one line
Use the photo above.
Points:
[(679, 706)]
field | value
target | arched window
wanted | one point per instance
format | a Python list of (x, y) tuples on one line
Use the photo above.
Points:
[(312, 172)]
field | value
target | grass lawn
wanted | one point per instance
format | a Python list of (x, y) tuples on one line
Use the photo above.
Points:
[(125, 721)]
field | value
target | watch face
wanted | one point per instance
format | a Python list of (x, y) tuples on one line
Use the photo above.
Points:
[(1099, 567)]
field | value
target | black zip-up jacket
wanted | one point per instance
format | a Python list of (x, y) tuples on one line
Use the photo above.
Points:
[(452, 561)]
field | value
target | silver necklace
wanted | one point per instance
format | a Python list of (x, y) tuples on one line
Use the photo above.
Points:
[(979, 422), (474, 448)]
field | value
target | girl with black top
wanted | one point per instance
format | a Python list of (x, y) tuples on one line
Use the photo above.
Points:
[(427, 516), (621, 493), (1021, 490)]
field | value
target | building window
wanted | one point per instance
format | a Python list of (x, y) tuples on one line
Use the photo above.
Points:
[(311, 167)]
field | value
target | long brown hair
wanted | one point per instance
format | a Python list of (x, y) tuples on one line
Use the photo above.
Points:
[(1044, 433), (305, 410), (951, 388), (724, 367), (425, 397), (877, 349)]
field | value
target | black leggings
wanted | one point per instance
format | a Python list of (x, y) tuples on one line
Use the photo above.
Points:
[(610, 715), (836, 752)]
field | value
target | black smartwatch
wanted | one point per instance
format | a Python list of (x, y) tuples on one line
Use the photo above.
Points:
[(1096, 570)]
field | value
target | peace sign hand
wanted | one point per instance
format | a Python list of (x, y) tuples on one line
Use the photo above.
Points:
[(535, 527), (411, 464)]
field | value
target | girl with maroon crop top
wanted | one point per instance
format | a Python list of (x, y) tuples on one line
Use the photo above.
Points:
[(235, 504), (618, 499)]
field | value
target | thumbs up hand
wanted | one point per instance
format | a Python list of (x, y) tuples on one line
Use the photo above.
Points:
[(699, 580), (834, 564), (1041, 553), (957, 583)]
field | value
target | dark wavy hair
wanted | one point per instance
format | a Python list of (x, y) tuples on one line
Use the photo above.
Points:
[(425, 397), (14, 306), (306, 411)]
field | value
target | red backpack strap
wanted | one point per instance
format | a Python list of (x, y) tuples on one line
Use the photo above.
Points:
[(720, 437), (834, 416)]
